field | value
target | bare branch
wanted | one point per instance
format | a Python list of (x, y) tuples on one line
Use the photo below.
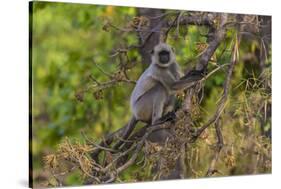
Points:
[(192, 20)]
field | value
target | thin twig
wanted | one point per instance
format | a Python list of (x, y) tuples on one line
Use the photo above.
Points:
[(219, 146)]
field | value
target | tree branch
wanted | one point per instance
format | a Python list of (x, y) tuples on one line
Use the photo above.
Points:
[(213, 45)]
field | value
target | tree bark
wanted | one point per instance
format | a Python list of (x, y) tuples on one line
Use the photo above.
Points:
[(151, 37)]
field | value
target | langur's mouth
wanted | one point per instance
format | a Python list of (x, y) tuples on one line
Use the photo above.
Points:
[(164, 56)]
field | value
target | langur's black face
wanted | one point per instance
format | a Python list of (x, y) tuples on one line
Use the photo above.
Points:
[(164, 56)]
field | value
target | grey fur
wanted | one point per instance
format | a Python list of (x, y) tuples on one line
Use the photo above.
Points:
[(153, 95)]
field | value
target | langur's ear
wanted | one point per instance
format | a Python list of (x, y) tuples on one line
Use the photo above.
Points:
[(152, 52), (173, 49)]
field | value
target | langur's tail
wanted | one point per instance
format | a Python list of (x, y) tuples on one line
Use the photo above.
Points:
[(126, 133)]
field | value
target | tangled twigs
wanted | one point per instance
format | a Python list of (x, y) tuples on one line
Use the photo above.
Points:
[(132, 148), (111, 170), (97, 87)]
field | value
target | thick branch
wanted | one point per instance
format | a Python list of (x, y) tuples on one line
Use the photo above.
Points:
[(213, 45), (192, 20)]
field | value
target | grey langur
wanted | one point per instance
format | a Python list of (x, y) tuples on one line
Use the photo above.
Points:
[(154, 93)]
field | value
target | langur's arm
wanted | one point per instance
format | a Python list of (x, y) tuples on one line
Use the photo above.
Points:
[(188, 80)]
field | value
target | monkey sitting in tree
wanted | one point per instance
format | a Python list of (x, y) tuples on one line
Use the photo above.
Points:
[(154, 93)]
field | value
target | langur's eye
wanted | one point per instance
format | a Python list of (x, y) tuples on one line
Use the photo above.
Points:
[(152, 51)]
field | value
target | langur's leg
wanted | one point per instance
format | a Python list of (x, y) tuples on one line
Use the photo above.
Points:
[(159, 136), (170, 105), (158, 108)]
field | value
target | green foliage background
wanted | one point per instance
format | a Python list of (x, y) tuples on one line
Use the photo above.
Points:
[(66, 38)]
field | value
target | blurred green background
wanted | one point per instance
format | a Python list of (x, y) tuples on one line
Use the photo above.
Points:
[(66, 38)]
